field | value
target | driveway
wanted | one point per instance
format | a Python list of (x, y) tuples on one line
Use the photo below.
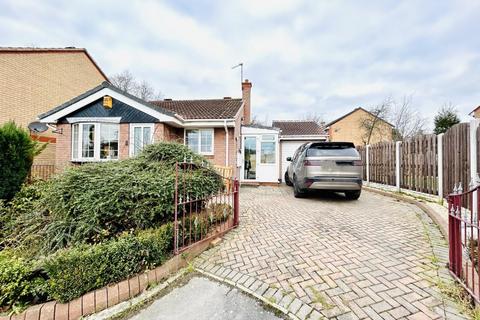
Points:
[(325, 257)]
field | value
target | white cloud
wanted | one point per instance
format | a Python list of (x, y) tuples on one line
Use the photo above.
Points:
[(322, 56)]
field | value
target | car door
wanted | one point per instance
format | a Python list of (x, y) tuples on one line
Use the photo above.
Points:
[(292, 168)]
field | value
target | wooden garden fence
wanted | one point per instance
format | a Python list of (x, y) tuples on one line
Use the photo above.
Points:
[(427, 163)]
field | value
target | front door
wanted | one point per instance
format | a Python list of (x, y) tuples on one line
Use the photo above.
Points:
[(250, 158)]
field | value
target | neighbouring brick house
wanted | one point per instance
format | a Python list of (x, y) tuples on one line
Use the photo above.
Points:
[(32, 80), (105, 123), (349, 128)]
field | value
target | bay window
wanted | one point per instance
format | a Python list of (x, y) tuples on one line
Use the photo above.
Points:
[(200, 140), (95, 141)]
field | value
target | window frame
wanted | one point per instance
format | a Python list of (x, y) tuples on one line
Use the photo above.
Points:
[(212, 130), (96, 142), (131, 138), (271, 139)]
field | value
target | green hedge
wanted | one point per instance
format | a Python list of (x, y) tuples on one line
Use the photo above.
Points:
[(20, 282), (75, 271), (16, 158), (96, 202)]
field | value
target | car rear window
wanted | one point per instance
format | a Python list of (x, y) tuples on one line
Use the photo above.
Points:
[(332, 150)]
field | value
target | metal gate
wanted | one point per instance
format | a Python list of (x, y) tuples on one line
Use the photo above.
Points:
[(200, 216), (463, 235)]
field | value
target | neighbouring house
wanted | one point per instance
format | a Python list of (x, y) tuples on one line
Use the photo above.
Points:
[(32, 80), (105, 123), (349, 128), (475, 113), (294, 133)]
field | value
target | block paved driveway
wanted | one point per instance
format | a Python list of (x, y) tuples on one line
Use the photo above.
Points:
[(326, 257)]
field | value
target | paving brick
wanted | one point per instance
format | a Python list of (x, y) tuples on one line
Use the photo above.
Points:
[(61, 311), (134, 285), (367, 258), (75, 309), (48, 311), (112, 295), (123, 290), (88, 303)]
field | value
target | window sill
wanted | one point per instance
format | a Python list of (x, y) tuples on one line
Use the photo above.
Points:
[(91, 160)]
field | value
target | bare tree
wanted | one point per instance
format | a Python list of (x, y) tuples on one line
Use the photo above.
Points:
[(372, 124), (407, 120), (142, 89), (314, 116)]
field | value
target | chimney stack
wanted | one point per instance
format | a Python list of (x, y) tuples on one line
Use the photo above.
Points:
[(246, 89)]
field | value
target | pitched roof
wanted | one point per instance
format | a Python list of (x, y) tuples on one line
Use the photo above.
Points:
[(355, 110), (298, 127), (27, 50), (202, 109), (108, 85)]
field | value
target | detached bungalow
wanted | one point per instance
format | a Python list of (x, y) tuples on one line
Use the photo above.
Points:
[(107, 124)]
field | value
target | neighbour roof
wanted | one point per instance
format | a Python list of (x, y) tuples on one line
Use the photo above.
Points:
[(202, 109), (261, 126), (104, 84), (355, 110), (27, 50), (298, 127)]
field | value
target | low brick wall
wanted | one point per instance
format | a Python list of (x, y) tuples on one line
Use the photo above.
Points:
[(100, 299)]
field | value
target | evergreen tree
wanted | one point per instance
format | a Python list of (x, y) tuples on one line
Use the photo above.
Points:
[(446, 118)]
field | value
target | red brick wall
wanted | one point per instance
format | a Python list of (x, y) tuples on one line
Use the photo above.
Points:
[(63, 154), (124, 141)]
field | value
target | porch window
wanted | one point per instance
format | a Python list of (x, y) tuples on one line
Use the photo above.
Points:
[(94, 141), (200, 140), (267, 149), (141, 135)]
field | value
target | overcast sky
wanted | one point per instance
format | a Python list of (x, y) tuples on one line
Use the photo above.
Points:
[(302, 56)]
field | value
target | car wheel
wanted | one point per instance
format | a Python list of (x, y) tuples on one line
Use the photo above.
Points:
[(352, 195), (297, 191), (287, 180)]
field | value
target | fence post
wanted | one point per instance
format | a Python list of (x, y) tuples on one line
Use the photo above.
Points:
[(473, 160), (397, 164), (236, 203), (367, 162), (440, 166)]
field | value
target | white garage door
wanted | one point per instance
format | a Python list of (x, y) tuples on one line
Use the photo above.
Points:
[(288, 149)]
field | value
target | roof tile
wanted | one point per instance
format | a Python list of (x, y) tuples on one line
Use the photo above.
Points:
[(202, 109), (298, 127)]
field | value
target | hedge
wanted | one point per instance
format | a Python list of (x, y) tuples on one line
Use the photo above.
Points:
[(96, 202), (76, 271), (20, 282), (16, 158)]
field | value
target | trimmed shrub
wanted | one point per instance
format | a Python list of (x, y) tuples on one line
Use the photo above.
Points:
[(78, 270), (20, 283), (16, 157), (170, 153), (95, 202)]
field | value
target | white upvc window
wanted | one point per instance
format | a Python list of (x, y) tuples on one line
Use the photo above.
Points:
[(200, 140), (95, 141), (141, 134), (268, 149)]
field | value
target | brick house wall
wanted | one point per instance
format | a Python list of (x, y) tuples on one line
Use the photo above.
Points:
[(33, 82), (349, 129)]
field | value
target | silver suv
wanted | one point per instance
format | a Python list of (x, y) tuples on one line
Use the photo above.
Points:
[(334, 166)]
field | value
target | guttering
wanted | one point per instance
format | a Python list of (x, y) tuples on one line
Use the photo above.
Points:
[(226, 143), (304, 137)]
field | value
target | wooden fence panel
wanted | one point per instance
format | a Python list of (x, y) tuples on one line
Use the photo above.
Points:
[(456, 157), (362, 150), (382, 163), (41, 171), (419, 165)]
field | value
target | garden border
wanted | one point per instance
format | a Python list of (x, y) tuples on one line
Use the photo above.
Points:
[(108, 296)]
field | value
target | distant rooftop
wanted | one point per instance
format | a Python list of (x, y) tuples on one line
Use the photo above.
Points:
[(298, 127)]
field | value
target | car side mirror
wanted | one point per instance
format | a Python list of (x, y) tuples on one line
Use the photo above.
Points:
[(289, 158)]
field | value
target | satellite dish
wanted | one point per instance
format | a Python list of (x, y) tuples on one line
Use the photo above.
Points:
[(37, 127)]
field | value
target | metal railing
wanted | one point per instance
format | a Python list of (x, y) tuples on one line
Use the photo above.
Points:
[(463, 236), (41, 171), (199, 216)]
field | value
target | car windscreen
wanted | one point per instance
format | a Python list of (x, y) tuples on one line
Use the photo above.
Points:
[(332, 150)]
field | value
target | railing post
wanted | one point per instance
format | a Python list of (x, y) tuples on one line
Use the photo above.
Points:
[(236, 203), (473, 159), (367, 162), (440, 166), (175, 225), (397, 164)]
